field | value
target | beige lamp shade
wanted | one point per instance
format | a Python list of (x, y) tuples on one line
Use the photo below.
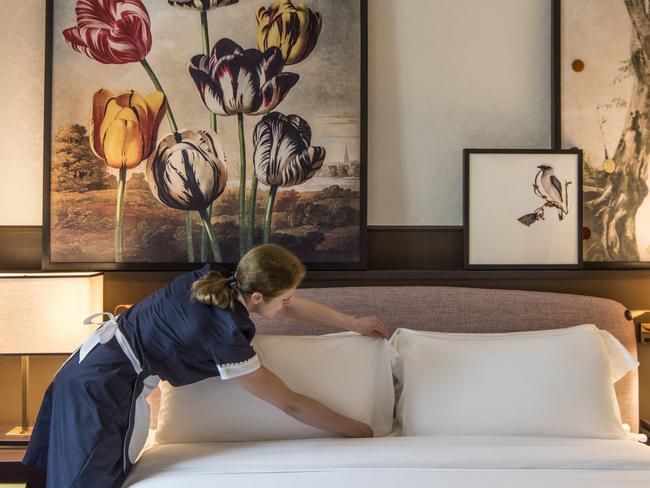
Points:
[(43, 313)]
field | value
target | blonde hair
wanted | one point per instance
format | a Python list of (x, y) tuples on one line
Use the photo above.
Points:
[(268, 269)]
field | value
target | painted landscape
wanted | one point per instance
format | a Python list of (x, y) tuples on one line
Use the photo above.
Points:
[(318, 225)]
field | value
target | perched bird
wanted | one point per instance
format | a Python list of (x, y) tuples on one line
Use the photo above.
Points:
[(552, 188), (551, 192)]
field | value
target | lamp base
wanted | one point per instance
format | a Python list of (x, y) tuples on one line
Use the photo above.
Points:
[(18, 431)]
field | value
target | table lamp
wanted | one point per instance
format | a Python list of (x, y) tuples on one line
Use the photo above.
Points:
[(42, 314)]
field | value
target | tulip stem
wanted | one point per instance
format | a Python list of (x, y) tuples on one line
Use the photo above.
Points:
[(205, 42), (156, 83), (204, 238), (119, 212), (207, 226), (205, 36), (242, 186), (251, 212), (269, 213), (188, 236), (174, 127)]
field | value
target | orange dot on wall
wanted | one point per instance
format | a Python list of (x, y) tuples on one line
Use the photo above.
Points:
[(578, 65), (586, 233)]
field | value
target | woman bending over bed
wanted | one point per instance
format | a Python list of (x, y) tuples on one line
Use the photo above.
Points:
[(94, 418)]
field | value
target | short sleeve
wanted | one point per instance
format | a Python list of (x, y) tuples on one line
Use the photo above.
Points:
[(234, 356)]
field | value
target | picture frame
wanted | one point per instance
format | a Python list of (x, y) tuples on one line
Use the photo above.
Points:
[(522, 208), (594, 94), (318, 209)]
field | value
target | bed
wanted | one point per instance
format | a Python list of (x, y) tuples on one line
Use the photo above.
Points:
[(431, 460)]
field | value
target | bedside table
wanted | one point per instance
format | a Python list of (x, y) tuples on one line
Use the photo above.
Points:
[(14, 474)]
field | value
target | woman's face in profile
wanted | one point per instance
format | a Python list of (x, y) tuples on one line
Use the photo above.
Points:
[(270, 307)]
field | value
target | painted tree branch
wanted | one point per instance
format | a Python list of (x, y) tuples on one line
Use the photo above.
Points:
[(640, 23)]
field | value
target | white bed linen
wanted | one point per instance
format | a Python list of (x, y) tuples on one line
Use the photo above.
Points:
[(440, 461)]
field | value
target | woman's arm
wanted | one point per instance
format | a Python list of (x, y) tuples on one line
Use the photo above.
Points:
[(264, 384), (319, 314)]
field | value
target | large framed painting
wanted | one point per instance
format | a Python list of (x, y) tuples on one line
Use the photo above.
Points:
[(522, 209), (184, 131), (601, 106)]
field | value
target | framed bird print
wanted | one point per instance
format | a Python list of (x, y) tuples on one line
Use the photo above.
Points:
[(185, 131), (522, 208)]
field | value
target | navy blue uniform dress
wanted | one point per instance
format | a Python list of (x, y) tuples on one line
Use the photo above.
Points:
[(94, 419)]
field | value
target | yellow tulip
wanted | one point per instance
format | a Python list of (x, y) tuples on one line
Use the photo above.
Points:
[(294, 30), (124, 129)]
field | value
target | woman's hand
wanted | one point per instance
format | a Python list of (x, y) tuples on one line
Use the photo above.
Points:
[(359, 429), (369, 326), (265, 385), (318, 314)]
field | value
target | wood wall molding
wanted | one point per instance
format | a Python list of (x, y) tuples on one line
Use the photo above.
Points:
[(20, 247), (409, 254), (389, 247)]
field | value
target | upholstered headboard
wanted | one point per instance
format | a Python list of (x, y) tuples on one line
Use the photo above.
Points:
[(456, 309)]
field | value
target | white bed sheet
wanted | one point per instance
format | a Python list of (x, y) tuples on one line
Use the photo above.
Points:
[(397, 461)]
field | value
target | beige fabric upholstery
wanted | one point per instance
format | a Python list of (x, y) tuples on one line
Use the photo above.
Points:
[(456, 309)]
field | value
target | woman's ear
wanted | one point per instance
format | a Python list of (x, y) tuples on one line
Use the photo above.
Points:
[(256, 297)]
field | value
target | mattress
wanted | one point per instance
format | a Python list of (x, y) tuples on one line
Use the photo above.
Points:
[(440, 461)]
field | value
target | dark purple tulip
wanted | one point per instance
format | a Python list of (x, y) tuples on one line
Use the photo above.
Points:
[(236, 81)]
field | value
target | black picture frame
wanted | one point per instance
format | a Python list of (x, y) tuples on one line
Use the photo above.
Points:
[(49, 265), (466, 210), (556, 116), (556, 80)]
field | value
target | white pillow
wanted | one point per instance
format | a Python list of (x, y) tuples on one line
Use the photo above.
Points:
[(554, 383), (349, 373)]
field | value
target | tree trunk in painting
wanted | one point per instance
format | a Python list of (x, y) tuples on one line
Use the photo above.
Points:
[(612, 200)]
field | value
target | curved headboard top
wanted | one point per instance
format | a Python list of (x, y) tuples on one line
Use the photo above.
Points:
[(458, 309)]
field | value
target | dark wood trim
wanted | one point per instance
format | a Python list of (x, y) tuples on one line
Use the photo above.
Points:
[(415, 247), (396, 252), (413, 276), (20, 248)]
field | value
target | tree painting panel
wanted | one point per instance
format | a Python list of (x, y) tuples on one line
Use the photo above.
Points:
[(191, 130), (605, 97)]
